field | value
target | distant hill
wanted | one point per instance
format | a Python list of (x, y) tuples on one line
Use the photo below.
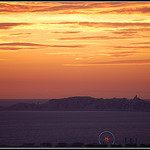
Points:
[(8, 102), (83, 104)]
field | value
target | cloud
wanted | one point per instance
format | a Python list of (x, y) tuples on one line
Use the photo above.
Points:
[(120, 55), (12, 48), (64, 7), (105, 24), (125, 62), (9, 48), (18, 7), (95, 38), (117, 4), (62, 53), (125, 33), (69, 46), (91, 5), (11, 25), (57, 7), (68, 32), (125, 53), (21, 44), (84, 58), (129, 31), (139, 19), (119, 62), (130, 47), (142, 43), (69, 7), (17, 34), (142, 10), (43, 45)]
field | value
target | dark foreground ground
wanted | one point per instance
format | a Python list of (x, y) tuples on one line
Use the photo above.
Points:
[(78, 144)]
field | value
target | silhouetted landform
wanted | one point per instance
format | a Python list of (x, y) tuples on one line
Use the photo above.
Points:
[(83, 104)]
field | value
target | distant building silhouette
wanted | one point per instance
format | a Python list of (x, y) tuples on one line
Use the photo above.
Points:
[(132, 142), (136, 98)]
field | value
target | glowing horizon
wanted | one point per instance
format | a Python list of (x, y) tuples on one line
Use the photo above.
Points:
[(62, 49)]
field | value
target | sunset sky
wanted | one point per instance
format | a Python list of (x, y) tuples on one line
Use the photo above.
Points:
[(61, 49)]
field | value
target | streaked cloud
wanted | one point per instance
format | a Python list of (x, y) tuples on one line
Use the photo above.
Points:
[(11, 25), (41, 45), (72, 7), (18, 34), (106, 24), (67, 46), (132, 10), (143, 43), (126, 53), (125, 33), (120, 55), (62, 53), (131, 47), (21, 44), (118, 62), (18, 7), (84, 58), (68, 32), (96, 38), (15, 48), (129, 31), (139, 20), (9, 48)]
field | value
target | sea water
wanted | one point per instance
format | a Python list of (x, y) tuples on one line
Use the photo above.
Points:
[(18, 127)]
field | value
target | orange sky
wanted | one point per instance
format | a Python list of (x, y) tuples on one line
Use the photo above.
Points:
[(61, 49)]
